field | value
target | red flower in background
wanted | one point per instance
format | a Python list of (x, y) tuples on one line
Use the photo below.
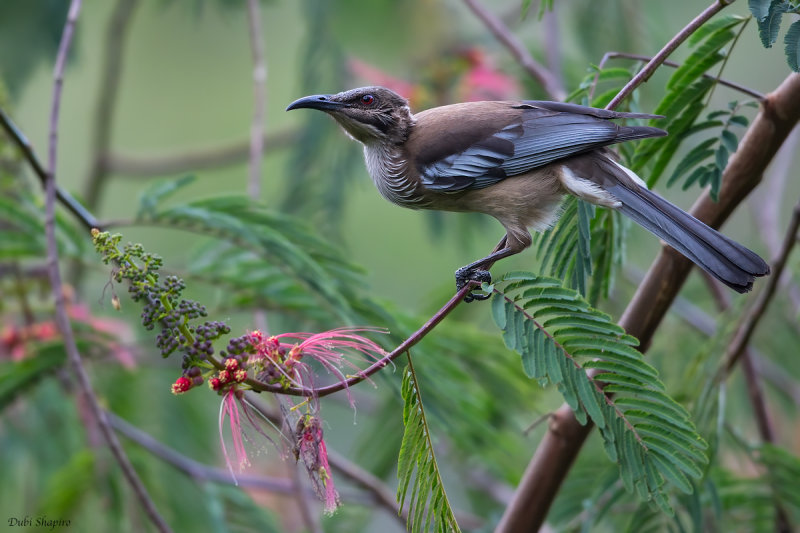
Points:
[(466, 74)]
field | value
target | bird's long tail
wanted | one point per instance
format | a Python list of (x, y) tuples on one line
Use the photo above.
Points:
[(727, 260)]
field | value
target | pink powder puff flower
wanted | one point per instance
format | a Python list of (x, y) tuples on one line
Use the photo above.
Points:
[(233, 406), (329, 348), (229, 408), (310, 447)]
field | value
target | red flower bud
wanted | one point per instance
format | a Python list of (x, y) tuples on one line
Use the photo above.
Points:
[(181, 385)]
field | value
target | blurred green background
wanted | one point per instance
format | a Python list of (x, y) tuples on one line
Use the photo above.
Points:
[(186, 87)]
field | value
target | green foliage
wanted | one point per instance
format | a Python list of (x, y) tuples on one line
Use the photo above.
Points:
[(544, 7), (769, 15), (250, 231), (566, 247), (584, 245), (428, 506), (684, 101), (726, 144), (783, 471), (649, 434), (321, 162), (22, 229), (17, 376), (38, 24), (68, 487), (792, 48)]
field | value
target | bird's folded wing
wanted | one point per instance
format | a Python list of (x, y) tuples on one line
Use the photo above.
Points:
[(531, 136)]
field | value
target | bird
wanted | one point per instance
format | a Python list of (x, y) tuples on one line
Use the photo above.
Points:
[(516, 161)]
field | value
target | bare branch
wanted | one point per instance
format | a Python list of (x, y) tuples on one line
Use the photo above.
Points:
[(748, 325), (259, 98), (28, 153), (648, 70), (111, 70), (193, 468), (637, 57), (62, 319), (373, 368), (501, 32)]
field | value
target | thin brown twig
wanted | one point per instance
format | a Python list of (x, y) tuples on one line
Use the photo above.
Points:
[(745, 330), (62, 319), (194, 469), (259, 98), (29, 154), (383, 495), (551, 34), (303, 501), (667, 63), (383, 362), (501, 32), (110, 78), (739, 350), (704, 323), (648, 70)]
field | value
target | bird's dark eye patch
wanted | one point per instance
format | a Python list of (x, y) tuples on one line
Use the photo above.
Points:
[(367, 99)]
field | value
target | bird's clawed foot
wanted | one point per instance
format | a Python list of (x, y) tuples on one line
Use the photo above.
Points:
[(466, 274)]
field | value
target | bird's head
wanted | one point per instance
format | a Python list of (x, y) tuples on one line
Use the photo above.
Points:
[(369, 114)]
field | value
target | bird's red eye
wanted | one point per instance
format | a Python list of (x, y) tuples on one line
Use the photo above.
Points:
[(367, 99)]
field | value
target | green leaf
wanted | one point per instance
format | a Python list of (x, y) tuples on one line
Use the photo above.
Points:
[(696, 155), (759, 8), (588, 396), (285, 242), (714, 25), (730, 141), (668, 447), (701, 59), (158, 192), (740, 120), (18, 376), (792, 46), (428, 505), (499, 310), (671, 473), (769, 26), (699, 174), (715, 179)]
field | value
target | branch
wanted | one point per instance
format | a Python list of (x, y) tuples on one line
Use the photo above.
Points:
[(62, 319), (194, 160), (565, 436), (745, 330), (637, 57), (194, 469), (259, 96), (702, 322), (63, 196), (648, 70), (550, 83), (373, 368), (110, 77)]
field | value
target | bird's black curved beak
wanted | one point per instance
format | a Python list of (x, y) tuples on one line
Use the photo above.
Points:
[(321, 102)]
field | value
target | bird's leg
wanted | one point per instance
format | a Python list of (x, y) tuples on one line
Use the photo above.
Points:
[(479, 270)]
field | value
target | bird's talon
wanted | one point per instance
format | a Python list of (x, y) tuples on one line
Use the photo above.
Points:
[(465, 275)]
